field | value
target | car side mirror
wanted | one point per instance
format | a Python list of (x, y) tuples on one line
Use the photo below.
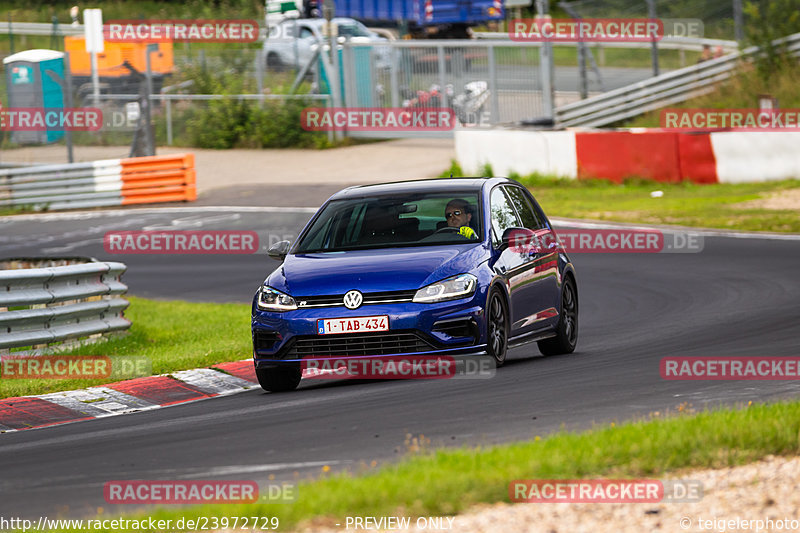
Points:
[(519, 238), (279, 250)]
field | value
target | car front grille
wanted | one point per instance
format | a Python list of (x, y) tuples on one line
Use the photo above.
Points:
[(337, 300), (354, 344)]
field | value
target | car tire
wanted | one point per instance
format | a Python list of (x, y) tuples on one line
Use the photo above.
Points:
[(567, 329), (279, 379), (274, 62), (497, 324)]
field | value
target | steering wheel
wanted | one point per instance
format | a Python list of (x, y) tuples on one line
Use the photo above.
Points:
[(447, 229)]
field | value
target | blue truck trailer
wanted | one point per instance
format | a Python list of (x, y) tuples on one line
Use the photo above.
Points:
[(443, 19), (423, 18)]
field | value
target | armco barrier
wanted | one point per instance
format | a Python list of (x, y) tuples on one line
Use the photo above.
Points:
[(52, 304), (136, 180), (658, 155)]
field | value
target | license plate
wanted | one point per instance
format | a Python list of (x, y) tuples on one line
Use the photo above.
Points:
[(361, 324)]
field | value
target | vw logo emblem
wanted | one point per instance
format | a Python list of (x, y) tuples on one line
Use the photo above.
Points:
[(353, 299)]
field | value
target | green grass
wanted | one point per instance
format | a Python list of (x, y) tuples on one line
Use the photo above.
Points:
[(125, 9), (684, 204), (173, 335), (14, 210), (446, 482)]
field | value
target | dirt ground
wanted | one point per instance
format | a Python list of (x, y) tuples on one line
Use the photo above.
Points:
[(364, 163), (786, 199)]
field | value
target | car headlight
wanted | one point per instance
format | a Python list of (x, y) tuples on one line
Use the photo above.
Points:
[(453, 288), (270, 299)]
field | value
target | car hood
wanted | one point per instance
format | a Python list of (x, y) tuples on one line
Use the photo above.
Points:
[(374, 270)]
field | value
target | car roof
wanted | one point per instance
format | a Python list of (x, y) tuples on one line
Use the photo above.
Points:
[(321, 21), (424, 185)]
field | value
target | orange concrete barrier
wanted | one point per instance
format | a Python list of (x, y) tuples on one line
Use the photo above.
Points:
[(162, 178)]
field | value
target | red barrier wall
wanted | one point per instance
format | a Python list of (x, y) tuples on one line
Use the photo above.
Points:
[(697, 160), (617, 155), (663, 156)]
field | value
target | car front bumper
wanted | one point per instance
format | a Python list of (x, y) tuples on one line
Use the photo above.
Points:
[(455, 327)]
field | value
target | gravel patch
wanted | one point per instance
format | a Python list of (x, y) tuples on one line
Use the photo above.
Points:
[(785, 199)]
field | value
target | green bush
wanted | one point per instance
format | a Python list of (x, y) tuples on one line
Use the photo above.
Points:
[(233, 123)]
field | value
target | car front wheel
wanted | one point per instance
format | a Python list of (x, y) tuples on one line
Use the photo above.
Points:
[(280, 379), (497, 328), (567, 329)]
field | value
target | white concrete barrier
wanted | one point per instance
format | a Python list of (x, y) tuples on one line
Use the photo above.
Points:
[(524, 152), (752, 156)]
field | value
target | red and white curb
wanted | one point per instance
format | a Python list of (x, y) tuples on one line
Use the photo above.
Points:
[(131, 396), (141, 394)]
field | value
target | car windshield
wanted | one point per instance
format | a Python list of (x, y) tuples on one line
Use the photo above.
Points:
[(352, 30), (393, 221)]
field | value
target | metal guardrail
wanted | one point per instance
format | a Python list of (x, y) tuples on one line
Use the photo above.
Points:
[(660, 91), (39, 28), (54, 304)]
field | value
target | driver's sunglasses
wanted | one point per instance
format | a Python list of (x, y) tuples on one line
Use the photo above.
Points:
[(455, 213)]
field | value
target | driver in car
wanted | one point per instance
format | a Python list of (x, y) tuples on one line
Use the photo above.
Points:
[(458, 216)]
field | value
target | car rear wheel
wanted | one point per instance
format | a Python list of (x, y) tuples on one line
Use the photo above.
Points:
[(497, 328), (281, 379), (567, 329)]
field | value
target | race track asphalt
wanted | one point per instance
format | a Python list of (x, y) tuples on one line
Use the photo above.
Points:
[(739, 296)]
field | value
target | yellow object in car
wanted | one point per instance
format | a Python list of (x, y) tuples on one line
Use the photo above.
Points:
[(467, 232)]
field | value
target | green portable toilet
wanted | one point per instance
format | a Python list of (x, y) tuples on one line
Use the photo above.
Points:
[(357, 90), (30, 83)]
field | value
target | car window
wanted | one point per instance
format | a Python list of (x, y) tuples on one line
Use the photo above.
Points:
[(524, 208), (416, 219), (306, 32), (353, 30), (503, 214)]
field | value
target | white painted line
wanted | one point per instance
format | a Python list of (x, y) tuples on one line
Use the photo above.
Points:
[(557, 222), (88, 215)]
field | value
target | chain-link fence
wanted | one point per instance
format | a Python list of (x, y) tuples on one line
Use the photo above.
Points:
[(485, 82)]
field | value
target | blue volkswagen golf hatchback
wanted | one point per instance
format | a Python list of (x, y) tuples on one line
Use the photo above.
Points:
[(440, 267)]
